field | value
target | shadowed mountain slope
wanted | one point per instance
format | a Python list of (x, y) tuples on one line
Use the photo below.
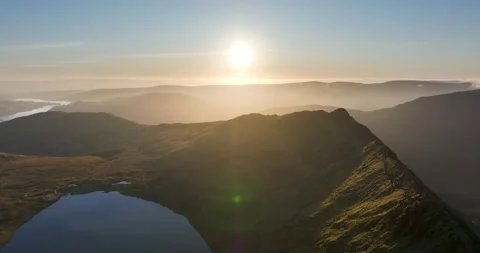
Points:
[(303, 182), (66, 134), (437, 137)]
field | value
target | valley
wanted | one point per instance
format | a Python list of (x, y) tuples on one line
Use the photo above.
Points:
[(239, 126)]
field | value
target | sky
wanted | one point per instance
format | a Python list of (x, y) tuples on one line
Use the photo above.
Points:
[(189, 42)]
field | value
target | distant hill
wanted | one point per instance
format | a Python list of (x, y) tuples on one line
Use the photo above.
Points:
[(65, 134), (302, 182), (153, 108), (254, 98), (438, 138)]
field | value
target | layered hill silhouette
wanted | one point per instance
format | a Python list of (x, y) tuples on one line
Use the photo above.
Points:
[(256, 98), (153, 108), (303, 182)]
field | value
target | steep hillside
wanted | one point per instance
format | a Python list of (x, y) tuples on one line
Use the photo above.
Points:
[(153, 108), (303, 182), (66, 134), (438, 138)]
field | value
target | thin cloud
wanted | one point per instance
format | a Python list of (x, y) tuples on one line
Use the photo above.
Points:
[(166, 55), (59, 64), (41, 66), (39, 47), (138, 56), (75, 62)]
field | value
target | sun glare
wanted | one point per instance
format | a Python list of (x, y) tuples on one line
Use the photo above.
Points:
[(241, 55)]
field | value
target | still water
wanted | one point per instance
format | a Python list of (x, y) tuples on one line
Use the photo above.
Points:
[(44, 106), (106, 222)]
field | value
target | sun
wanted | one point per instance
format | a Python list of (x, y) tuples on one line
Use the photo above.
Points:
[(241, 55)]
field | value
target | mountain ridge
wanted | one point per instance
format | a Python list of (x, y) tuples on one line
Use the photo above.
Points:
[(436, 136), (303, 182)]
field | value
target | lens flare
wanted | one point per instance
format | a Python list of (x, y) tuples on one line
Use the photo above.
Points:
[(237, 199)]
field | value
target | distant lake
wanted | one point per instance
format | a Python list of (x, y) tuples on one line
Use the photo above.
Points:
[(106, 222), (43, 106)]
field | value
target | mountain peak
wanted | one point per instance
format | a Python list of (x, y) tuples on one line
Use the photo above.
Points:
[(312, 179), (340, 112)]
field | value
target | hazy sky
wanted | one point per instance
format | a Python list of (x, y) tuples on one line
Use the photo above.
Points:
[(188, 41)]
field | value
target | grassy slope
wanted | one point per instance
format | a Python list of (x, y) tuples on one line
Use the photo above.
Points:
[(27, 185), (437, 137), (305, 182), (378, 209)]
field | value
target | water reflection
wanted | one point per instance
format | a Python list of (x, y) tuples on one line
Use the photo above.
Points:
[(106, 222), (123, 183)]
